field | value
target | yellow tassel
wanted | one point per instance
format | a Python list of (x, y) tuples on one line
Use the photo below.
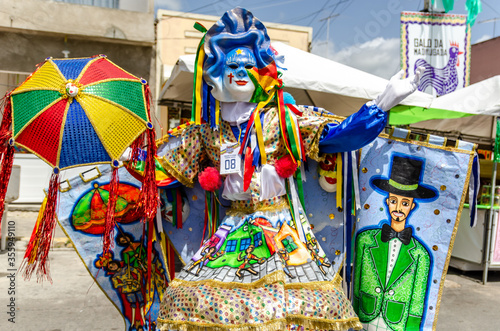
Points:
[(217, 112), (198, 87), (260, 137), (37, 225)]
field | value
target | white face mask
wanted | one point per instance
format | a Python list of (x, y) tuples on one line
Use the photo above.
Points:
[(237, 86)]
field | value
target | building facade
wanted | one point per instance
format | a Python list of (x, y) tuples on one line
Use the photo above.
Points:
[(484, 60), (32, 30)]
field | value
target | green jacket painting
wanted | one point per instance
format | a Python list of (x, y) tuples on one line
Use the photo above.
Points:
[(400, 301)]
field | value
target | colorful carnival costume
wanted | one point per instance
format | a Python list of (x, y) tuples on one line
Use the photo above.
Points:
[(269, 273)]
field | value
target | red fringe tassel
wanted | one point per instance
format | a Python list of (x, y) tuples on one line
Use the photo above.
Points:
[(136, 147), (109, 223), (149, 191), (36, 256)]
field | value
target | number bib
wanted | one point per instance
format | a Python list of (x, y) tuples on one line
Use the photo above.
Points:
[(230, 160)]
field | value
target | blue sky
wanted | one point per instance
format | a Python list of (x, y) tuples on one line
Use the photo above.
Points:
[(364, 35)]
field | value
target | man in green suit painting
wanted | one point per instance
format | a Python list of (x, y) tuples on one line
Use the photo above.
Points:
[(392, 267)]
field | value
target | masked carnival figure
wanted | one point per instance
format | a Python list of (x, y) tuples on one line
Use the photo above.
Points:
[(262, 273)]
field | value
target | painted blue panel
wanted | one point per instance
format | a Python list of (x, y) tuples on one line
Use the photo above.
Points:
[(80, 143), (72, 68)]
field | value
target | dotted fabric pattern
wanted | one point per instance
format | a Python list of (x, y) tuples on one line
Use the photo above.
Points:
[(206, 304), (236, 306), (320, 304), (186, 158), (128, 94), (26, 105), (43, 134), (80, 143), (71, 68), (102, 69)]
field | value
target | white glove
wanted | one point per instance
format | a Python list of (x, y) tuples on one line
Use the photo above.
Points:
[(398, 89)]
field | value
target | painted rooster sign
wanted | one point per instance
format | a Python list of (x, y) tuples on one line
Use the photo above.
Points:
[(439, 43), (442, 80)]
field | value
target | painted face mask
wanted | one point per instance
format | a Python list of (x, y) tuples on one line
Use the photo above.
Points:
[(237, 85)]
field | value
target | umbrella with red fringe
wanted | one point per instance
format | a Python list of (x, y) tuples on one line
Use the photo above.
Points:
[(74, 112)]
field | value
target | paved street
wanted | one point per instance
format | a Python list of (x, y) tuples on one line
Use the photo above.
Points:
[(74, 303)]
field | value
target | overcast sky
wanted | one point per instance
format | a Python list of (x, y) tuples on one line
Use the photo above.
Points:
[(362, 33)]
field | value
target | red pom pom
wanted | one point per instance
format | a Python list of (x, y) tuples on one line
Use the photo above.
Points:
[(285, 167), (210, 179)]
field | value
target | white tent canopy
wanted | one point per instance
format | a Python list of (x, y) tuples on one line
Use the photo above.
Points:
[(311, 79), (317, 81), (482, 98)]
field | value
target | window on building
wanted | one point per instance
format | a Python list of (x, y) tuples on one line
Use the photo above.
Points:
[(97, 3), (257, 239), (231, 245), (289, 244), (245, 242)]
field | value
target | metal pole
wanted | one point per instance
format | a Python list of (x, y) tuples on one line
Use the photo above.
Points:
[(488, 225), (426, 5), (328, 32), (328, 38)]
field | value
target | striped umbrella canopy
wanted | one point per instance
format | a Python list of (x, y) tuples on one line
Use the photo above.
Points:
[(81, 111), (73, 112)]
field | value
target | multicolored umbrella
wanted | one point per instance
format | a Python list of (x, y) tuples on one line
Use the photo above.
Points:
[(89, 213), (73, 112)]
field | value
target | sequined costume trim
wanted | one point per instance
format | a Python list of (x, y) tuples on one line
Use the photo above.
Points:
[(173, 171), (275, 325), (240, 208), (310, 323), (275, 277)]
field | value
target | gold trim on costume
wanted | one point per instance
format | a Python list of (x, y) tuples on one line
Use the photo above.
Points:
[(274, 325), (274, 277), (319, 285), (311, 323), (236, 210), (99, 174), (174, 172), (277, 276), (314, 147), (425, 144), (392, 137)]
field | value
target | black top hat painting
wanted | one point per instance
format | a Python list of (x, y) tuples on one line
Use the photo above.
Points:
[(404, 180)]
